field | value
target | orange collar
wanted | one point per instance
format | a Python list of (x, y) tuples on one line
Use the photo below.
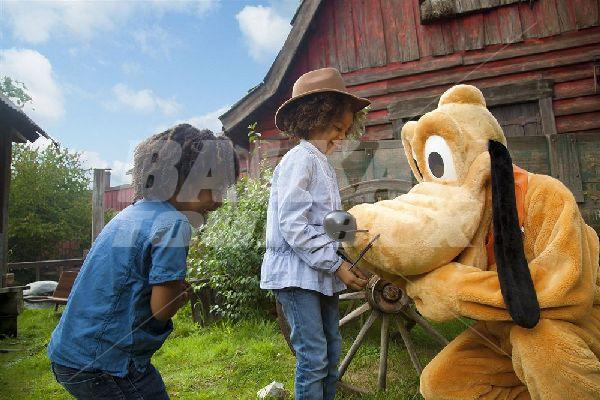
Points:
[(521, 180)]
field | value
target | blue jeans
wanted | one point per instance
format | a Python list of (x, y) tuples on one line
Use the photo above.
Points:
[(315, 336), (96, 385)]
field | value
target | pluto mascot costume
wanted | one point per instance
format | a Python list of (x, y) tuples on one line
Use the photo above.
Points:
[(480, 238)]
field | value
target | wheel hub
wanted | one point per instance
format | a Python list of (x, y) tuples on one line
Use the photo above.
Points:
[(384, 296)]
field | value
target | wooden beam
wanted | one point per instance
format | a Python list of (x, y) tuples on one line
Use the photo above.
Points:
[(99, 185), (561, 42), (578, 122), (564, 163), (453, 77), (576, 105), (432, 10), (404, 69), (547, 116), (494, 96), (5, 160)]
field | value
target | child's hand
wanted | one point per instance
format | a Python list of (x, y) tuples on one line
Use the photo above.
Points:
[(353, 278)]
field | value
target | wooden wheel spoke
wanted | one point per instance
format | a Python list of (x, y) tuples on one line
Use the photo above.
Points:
[(357, 342), (409, 346), (353, 295), (383, 353), (427, 326), (355, 314)]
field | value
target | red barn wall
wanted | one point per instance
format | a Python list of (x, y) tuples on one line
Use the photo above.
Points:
[(387, 55), (118, 197)]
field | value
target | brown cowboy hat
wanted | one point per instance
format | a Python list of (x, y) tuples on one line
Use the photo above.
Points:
[(322, 80)]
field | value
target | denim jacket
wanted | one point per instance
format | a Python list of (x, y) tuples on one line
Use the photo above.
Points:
[(303, 190)]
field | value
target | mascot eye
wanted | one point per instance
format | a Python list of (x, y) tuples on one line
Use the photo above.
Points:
[(439, 158)]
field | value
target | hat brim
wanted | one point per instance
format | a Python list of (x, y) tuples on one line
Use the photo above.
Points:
[(358, 103)]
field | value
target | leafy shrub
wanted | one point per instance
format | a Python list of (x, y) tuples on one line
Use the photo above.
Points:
[(228, 251)]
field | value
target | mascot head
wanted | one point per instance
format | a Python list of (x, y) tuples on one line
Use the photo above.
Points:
[(458, 154)]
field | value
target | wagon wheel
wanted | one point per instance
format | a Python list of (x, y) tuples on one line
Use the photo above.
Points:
[(388, 305)]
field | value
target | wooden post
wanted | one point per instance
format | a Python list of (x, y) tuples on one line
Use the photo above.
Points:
[(98, 202), (5, 160)]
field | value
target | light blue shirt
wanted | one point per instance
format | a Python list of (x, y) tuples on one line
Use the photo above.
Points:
[(303, 190), (108, 323)]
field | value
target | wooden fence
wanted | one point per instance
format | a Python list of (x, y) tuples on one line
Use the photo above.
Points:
[(48, 266)]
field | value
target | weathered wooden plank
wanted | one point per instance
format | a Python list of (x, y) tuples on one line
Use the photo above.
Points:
[(547, 17), (564, 163), (489, 3), (391, 29), (588, 145), (345, 36), (558, 43), (314, 47), (496, 95), (332, 53), (491, 26), (575, 39), (547, 116), (432, 10), (397, 71), (359, 22), (583, 87), (568, 74), (430, 39), (510, 24), (586, 13), (576, 105), (407, 33), (530, 153), (98, 186), (566, 15), (578, 122), (534, 63), (529, 21), (375, 34), (379, 132), (468, 32), (5, 160)]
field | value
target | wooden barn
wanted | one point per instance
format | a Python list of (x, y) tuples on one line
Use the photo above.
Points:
[(537, 62)]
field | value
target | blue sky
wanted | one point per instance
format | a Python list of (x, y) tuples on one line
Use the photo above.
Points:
[(104, 75)]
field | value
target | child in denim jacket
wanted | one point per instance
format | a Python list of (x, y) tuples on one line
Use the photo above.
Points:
[(133, 279), (303, 270)]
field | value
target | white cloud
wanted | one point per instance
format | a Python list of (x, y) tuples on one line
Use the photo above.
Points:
[(144, 100), (264, 29), (154, 41), (118, 168), (36, 22), (209, 120), (35, 71)]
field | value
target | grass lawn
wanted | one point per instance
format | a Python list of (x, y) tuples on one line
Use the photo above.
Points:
[(222, 361)]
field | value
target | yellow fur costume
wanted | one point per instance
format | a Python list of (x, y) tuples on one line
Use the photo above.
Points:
[(537, 333)]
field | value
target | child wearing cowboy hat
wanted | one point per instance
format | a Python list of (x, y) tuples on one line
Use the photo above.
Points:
[(304, 271)]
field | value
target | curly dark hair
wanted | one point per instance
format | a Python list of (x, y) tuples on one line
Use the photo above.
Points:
[(179, 149), (315, 111)]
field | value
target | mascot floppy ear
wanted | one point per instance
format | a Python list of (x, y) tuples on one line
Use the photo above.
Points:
[(513, 272)]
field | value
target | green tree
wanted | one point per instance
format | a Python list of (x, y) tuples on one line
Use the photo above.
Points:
[(228, 251), (50, 202), (15, 91)]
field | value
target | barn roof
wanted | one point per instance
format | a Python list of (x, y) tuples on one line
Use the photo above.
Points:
[(14, 122), (265, 90)]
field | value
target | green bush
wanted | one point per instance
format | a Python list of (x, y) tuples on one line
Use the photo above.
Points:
[(228, 251)]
